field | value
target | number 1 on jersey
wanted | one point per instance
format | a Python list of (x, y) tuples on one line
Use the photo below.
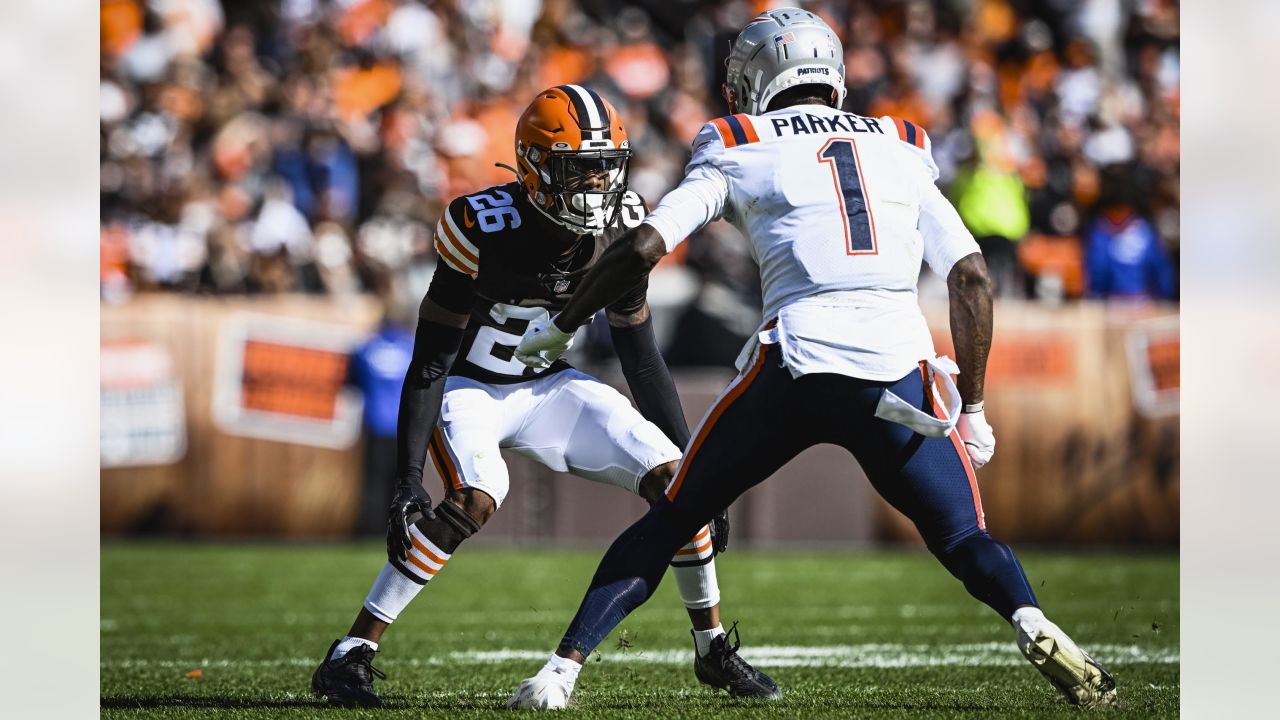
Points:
[(859, 227)]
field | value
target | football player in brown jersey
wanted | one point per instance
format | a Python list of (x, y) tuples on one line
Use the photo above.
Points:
[(510, 255)]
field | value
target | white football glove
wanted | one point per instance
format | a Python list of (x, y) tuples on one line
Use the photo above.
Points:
[(543, 343), (978, 437)]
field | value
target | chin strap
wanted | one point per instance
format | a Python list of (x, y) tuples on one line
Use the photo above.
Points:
[(505, 166)]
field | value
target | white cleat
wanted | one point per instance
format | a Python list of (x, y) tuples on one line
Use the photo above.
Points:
[(1076, 675), (548, 690)]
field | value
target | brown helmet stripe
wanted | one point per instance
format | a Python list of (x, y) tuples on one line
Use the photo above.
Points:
[(593, 115)]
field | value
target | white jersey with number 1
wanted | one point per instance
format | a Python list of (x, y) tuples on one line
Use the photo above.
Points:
[(839, 210)]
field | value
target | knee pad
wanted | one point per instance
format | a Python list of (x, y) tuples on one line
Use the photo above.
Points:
[(450, 527)]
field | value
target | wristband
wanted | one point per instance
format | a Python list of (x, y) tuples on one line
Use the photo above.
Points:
[(974, 408), (552, 326)]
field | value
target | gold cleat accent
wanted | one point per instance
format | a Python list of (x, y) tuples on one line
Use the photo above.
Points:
[(1077, 676)]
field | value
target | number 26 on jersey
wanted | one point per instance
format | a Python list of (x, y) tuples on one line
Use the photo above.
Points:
[(494, 210)]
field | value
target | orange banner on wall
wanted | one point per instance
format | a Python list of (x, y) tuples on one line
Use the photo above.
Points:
[(292, 380), (284, 379)]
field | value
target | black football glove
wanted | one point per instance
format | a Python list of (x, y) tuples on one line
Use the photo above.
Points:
[(410, 499), (720, 531)]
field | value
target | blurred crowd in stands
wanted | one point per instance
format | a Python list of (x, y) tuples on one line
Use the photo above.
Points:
[(309, 145)]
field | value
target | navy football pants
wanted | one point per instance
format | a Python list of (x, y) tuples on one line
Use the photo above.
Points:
[(764, 419)]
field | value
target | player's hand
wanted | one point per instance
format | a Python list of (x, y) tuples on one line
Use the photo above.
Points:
[(410, 499), (978, 437), (543, 343), (720, 532)]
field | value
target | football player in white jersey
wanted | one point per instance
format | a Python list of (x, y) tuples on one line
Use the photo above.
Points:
[(839, 210), (509, 254)]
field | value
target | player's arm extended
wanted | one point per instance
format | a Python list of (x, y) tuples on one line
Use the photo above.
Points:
[(631, 328), (622, 266), (442, 318), (699, 199)]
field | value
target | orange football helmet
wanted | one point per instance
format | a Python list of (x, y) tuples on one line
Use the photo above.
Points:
[(572, 156)]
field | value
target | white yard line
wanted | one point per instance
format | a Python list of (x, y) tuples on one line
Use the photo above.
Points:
[(886, 655), (878, 655)]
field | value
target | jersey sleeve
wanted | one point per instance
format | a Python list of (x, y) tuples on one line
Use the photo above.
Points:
[(455, 247), (917, 141), (946, 239), (708, 147), (451, 289), (700, 198)]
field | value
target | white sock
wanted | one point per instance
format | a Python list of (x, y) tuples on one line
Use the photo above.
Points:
[(391, 594), (1029, 619), (563, 667), (702, 639), (697, 583), (350, 643)]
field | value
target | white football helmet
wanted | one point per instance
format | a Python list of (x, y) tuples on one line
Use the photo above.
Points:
[(780, 49)]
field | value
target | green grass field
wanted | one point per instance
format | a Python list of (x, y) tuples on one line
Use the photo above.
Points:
[(847, 634)]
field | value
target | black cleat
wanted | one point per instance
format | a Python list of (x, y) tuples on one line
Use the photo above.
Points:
[(348, 681), (724, 668)]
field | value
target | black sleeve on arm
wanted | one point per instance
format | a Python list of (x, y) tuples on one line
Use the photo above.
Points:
[(434, 348), (650, 380), (435, 345), (633, 302)]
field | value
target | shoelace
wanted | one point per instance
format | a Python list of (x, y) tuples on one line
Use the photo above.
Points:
[(731, 657), (364, 658)]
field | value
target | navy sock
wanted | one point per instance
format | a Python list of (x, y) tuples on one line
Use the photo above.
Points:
[(990, 572), (628, 575)]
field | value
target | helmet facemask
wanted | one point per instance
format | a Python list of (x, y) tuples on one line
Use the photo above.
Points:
[(586, 187), (572, 154)]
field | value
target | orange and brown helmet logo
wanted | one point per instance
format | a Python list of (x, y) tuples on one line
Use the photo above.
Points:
[(563, 119)]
